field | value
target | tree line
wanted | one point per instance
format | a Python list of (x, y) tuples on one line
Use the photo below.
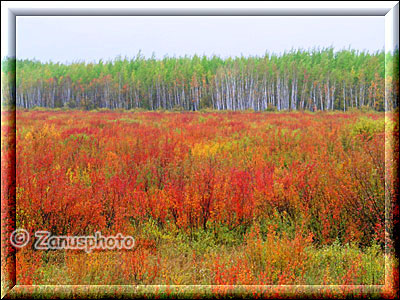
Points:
[(317, 79)]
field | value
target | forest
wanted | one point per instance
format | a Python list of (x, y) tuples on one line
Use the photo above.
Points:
[(179, 154), (317, 79)]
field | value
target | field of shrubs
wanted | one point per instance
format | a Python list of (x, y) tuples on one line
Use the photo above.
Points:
[(211, 198)]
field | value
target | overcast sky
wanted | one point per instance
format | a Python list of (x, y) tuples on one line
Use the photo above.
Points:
[(68, 39)]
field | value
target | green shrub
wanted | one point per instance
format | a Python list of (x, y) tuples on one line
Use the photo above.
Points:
[(178, 108), (367, 127), (271, 108)]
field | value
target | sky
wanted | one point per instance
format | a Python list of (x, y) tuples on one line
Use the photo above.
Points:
[(71, 39)]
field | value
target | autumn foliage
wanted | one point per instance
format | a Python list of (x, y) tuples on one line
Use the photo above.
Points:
[(211, 198)]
